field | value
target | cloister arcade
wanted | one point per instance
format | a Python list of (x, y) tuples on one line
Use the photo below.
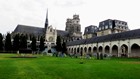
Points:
[(119, 48)]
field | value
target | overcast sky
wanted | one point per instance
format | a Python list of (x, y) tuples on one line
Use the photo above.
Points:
[(91, 12)]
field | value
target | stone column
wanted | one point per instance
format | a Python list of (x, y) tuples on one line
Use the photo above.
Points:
[(129, 49), (103, 51), (97, 48), (119, 49), (110, 49)]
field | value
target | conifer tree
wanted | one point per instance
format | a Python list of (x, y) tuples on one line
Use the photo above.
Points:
[(1, 42), (41, 46), (58, 44), (16, 42), (33, 44), (8, 43), (64, 48)]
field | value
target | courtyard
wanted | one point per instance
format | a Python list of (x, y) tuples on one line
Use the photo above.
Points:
[(45, 67)]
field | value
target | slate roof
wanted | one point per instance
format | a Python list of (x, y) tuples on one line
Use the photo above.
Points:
[(62, 33), (36, 30), (112, 37), (29, 30)]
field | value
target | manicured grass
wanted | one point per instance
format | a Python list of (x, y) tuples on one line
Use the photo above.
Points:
[(45, 67)]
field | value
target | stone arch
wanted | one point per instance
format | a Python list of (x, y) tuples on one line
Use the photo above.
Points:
[(124, 50), (78, 50), (68, 50), (85, 49), (81, 49), (135, 50), (107, 49), (89, 50), (94, 49), (81, 53), (74, 50), (100, 49), (115, 51)]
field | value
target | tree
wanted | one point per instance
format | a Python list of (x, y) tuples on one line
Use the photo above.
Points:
[(58, 44), (33, 44), (23, 42), (8, 43), (41, 46), (64, 48), (16, 42), (1, 42)]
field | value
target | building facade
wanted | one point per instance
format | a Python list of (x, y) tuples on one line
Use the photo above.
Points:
[(90, 31), (113, 38), (73, 26), (117, 45), (110, 26)]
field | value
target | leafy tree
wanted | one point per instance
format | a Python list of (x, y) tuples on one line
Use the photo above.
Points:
[(58, 44), (33, 44), (1, 42), (16, 42), (8, 43), (64, 48), (23, 42), (41, 46)]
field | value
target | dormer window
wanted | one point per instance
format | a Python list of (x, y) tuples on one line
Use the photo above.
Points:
[(110, 26), (86, 30), (103, 23), (103, 28)]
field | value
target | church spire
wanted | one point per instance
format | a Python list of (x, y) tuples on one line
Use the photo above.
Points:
[(46, 22)]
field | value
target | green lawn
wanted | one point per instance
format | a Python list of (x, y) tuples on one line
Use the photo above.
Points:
[(45, 67)]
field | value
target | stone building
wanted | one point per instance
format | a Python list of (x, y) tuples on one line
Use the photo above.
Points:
[(110, 26), (113, 38), (73, 26), (90, 31)]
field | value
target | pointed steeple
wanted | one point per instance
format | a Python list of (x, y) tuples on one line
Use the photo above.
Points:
[(46, 22)]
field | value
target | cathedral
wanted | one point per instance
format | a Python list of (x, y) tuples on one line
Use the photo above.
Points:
[(72, 32)]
